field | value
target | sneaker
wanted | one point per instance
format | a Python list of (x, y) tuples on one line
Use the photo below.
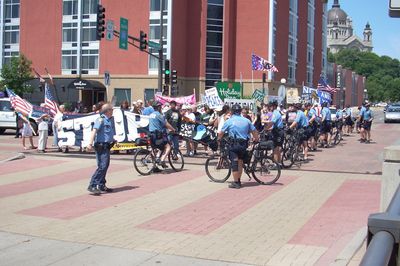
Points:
[(94, 190), (236, 185), (105, 189), (163, 165)]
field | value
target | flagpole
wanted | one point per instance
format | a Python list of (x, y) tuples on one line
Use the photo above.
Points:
[(252, 79), (54, 84)]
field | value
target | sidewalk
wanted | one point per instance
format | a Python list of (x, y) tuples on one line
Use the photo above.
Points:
[(314, 215)]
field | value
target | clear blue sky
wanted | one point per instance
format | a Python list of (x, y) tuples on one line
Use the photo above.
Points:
[(385, 30)]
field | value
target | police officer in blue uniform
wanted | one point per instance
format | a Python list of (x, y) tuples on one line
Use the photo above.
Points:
[(239, 129), (326, 125), (301, 123), (102, 138), (277, 131), (366, 118)]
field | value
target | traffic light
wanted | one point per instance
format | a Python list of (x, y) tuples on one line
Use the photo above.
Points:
[(165, 91), (174, 77), (167, 72), (100, 22), (143, 41)]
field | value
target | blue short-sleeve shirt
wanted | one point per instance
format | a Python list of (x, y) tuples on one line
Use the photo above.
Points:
[(367, 114), (326, 114), (301, 119), (311, 113), (105, 129), (238, 127), (156, 122), (277, 119)]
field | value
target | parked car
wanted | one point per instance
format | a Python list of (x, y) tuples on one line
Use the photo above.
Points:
[(7, 116), (392, 114)]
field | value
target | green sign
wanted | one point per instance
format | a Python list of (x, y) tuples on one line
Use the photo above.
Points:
[(258, 95), (123, 33), (229, 90), (154, 45)]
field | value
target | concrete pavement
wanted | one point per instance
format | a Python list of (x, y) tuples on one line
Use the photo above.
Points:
[(315, 215)]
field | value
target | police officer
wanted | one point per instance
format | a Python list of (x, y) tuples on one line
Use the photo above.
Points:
[(301, 123), (277, 131), (158, 134), (367, 117), (313, 126), (239, 129), (102, 138), (326, 125)]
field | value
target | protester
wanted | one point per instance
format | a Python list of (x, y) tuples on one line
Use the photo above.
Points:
[(27, 132), (102, 139), (43, 129), (57, 124), (174, 118), (125, 105)]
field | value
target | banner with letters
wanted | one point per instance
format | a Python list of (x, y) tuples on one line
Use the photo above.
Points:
[(250, 104), (191, 99), (76, 131), (315, 96)]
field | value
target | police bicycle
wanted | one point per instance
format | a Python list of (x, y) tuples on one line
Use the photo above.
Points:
[(145, 159), (259, 163)]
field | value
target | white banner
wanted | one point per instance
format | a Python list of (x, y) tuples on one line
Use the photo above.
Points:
[(76, 131), (251, 104)]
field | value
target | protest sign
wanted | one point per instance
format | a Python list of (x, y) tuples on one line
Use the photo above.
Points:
[(212, 99), (258, 95), (250, 104), (191, 99), (292, 96), (229, 90)]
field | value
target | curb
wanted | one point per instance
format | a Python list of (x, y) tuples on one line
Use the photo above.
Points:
[(351, 248), (15, 157)]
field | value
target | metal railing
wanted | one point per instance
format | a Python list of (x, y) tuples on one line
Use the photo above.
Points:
[(384, 235)]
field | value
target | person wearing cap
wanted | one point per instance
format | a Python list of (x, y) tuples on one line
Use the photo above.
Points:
[(174, 118), (278, 134), (158, 134), (239, 129), (326, 125), (301, 123), (367, 117)]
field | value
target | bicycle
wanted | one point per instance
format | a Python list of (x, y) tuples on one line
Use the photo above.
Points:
[(145, 159), (291, 149), (261, 166), (336, 134)]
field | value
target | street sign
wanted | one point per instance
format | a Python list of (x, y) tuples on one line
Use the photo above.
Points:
[(123, 33), (154, 45), (394, 8), (109, 30)]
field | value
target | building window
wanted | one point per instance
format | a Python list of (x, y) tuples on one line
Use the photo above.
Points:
[(11, 9), (70, 7), (90, 60), (90, 7), (122, 95), (69, 60), (215, 11), (155, 5), (70, 32), (11, 35), (89, 31)]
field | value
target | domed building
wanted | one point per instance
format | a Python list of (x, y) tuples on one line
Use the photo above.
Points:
[(340, 33)]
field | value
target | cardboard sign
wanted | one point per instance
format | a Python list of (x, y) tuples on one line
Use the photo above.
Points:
[(258, 95), (292, 96), (212, 99)]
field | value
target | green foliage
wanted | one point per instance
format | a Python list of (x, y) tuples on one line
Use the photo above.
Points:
[(16, 74), (382, 72)]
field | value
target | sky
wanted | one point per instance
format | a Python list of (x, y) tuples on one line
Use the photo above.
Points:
[(385, 29)]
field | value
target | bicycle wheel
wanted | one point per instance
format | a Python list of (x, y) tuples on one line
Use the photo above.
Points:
[(176, 160), (218, 169), (143, 162), (266, 171), (337, 138), (287, 157)]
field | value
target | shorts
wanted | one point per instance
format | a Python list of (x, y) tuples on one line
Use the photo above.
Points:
[(326, 127), (278, 136), (366, 125), (26, 130), (238, 151), (158, 140), (303, 134), (349, 122), (312, 130), (339, 125)]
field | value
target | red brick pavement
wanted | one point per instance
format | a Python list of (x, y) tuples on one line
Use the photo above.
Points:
[(26, 164)]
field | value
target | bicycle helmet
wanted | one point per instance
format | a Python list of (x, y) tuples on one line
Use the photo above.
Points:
[(236, 109)]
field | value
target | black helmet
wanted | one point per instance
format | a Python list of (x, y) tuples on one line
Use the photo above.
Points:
[(236, 109), (156, 104), (273, 103)]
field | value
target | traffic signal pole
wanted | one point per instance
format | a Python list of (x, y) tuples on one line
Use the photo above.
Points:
[(161, 49)]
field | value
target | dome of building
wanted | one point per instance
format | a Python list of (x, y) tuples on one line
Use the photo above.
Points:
[(336, 13)]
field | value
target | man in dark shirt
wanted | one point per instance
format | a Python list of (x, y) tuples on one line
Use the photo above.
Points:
[(174, 118)]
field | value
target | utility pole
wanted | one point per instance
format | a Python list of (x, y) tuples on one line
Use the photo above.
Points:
[(161, 49)]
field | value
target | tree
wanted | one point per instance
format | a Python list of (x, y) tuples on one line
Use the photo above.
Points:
[(382, 72), (16, 74)]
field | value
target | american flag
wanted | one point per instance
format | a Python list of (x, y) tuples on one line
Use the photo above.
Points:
[(259, 63), (19, 104), (324, 86), (37, 75), (49, 100)]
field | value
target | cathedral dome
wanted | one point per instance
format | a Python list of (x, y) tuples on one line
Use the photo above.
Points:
[(336, 13)]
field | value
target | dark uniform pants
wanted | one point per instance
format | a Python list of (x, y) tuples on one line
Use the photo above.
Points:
[(103, 161)]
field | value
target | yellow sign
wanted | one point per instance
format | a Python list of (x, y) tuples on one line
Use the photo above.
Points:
[(125, 146)]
